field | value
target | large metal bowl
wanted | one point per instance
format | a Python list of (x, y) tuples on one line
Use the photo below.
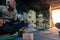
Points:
[(57, 25)]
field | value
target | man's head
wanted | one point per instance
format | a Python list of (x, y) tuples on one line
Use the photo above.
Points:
[(11, 3), (29, 17)]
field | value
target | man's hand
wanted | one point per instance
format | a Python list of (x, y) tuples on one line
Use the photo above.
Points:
[(1, 22)]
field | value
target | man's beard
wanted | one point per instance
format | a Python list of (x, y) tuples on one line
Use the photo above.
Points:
[(11, 8)]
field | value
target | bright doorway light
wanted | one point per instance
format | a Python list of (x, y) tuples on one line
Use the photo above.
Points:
[(56, 15)]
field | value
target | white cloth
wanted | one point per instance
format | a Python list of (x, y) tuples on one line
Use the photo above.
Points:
[(31, 27), (24, 15), (29, 20)]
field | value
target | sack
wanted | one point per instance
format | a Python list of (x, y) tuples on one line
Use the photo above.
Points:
[(28, 36)]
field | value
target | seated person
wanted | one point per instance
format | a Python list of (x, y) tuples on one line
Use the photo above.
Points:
[(8, 19), (31, 27)]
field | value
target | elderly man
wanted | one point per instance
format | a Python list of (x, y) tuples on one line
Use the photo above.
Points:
[(8, 18)]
